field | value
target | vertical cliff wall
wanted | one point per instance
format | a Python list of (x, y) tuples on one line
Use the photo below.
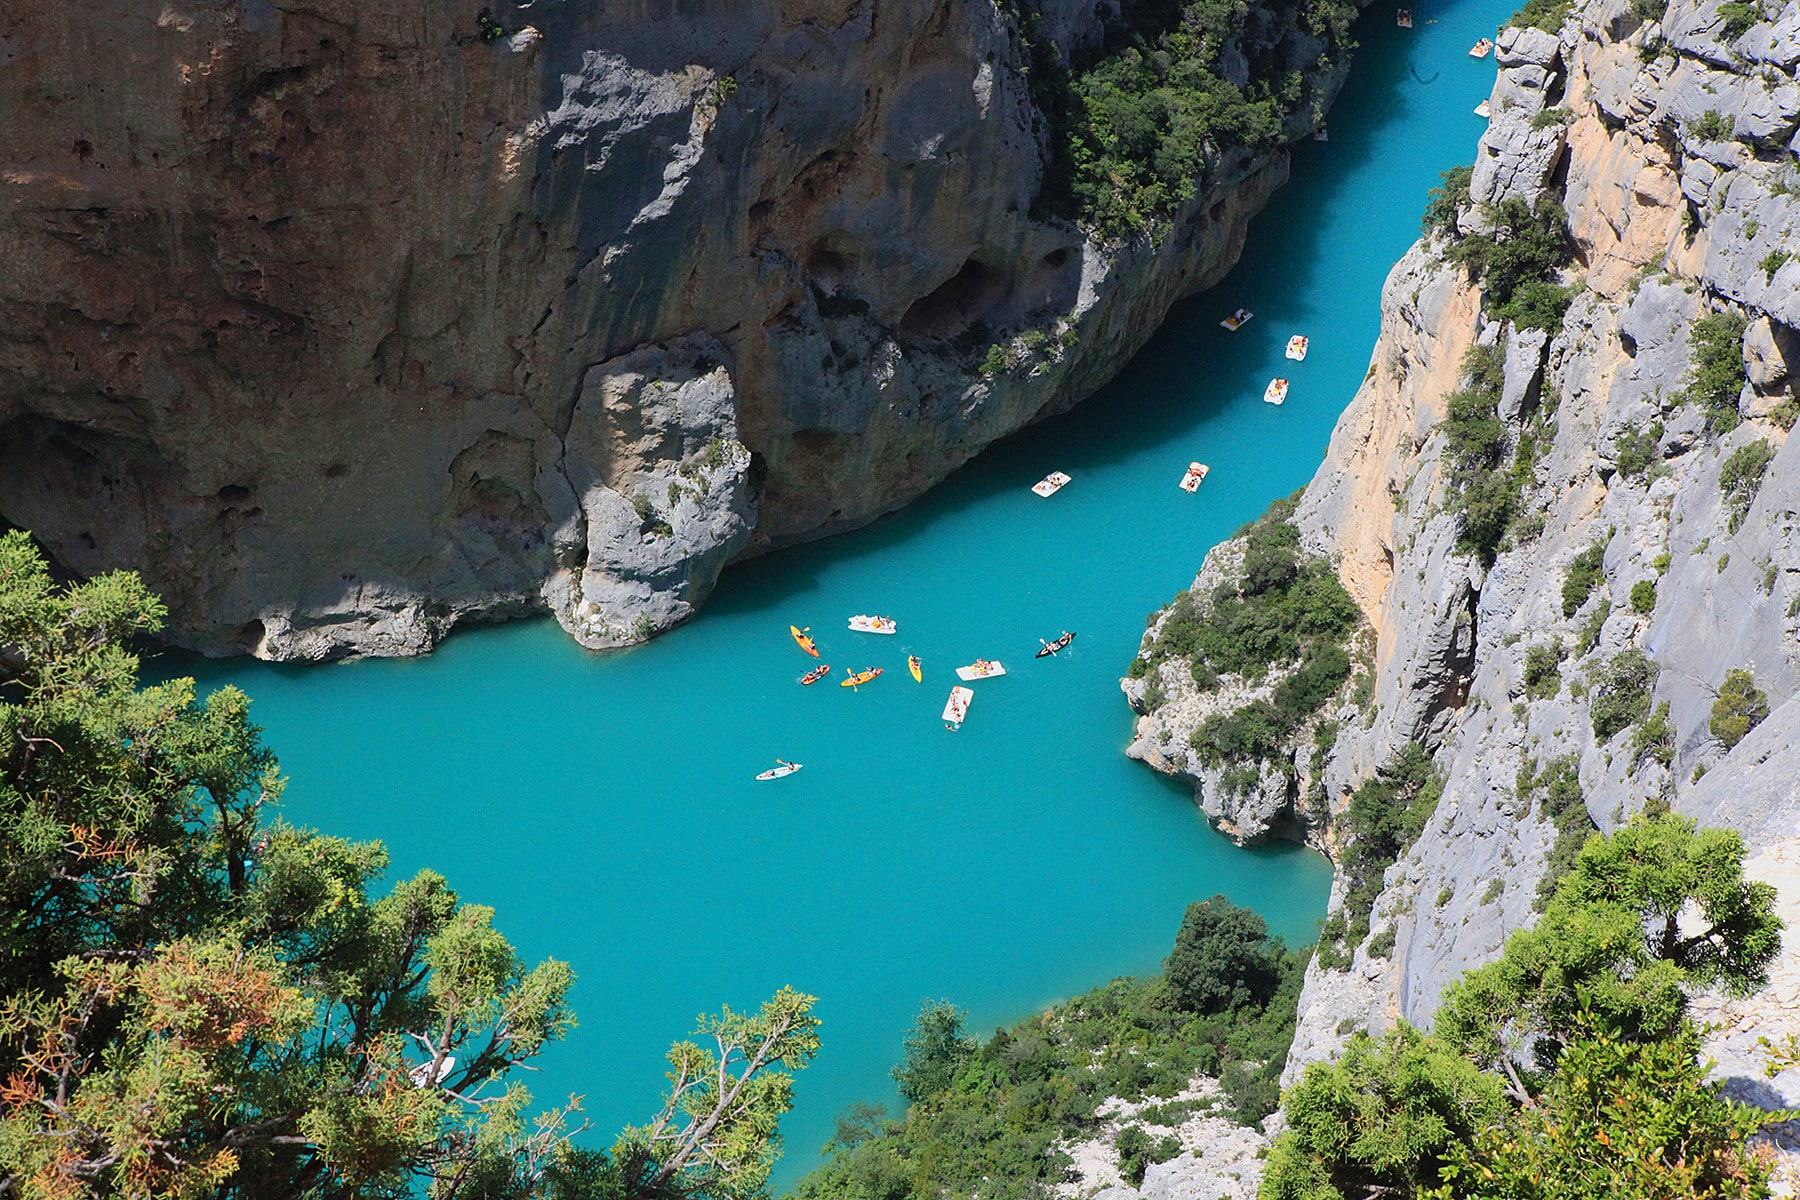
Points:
[(1575, 674), (345, 321)]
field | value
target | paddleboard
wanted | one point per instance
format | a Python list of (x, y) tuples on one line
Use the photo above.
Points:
[(958, 707), (785, 769)]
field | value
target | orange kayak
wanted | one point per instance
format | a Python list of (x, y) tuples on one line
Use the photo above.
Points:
[(912, 664), (860, 677), (817, 673), (806, 643)]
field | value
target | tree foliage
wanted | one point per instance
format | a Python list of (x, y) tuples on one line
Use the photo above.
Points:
[(1716, 372), (1740, 707), (1383, 819), (1223, 960), (1517, 259), (197, 999)]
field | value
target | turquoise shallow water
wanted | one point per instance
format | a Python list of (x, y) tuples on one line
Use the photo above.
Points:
[(605, 805)]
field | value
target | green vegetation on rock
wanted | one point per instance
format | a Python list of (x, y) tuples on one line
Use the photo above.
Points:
[(1445, 202), (1620, 695), (1547, 15), (1569, 1067), (1740, 478), (1486, 492), (1555, 793), (1740, 707), (1716, 369), (1543, 670), (1225, 1007), (1585, 573), (1383, 819), (1643, 597), (1517, 259)]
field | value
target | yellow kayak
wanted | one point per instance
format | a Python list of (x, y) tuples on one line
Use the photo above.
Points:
[(806, 643), (860, 677), (912, 664)]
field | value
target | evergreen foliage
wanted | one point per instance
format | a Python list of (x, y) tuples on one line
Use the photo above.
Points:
[(1384, 818), (1444, 203), (1716, 372), (1740, 707), (1740, 478), (1485, 493), (1621, 692), (1585, 573), (1543, 670), (1517, 259)]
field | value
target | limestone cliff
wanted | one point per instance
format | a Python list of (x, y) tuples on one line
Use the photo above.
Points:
[(1647, 519), (343, 322)]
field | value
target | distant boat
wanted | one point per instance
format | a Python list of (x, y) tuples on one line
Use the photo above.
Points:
[(1276, 392), (805, 642), (1403, 18), (780, 770), (958, 707), (860, 678), (1319, 135), (866, 624), (1196, 473), (1296, 347), (1483, 111), (912, 664), (817, 673), (1237, 319), (1052, 647), (1480, 49), (1051, 484), (423, 1076), (981, 668)]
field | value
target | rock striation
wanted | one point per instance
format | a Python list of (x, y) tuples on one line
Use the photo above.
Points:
[(1672, 145), (344, 323)]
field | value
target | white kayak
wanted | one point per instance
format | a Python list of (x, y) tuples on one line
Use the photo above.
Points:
[(785, 769), (1276, 392), (1296, 347), (958, 707), (1196, 474), (867, 624), (1051, 484), (981, 668), (1236, 320)]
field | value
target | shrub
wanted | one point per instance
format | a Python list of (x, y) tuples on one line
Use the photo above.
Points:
[(1739, 17), (1444, 203), (1383, 819), (1635, 450), (1741, 478), (1546, 117), (1654, 738), (1537, 304), (1547, 15), (1621, 693), (934, 1048), (1543, 670), (1485, 498), (1716, 369), (1555, 792), (1711, 126), (1741, 707), (1137, 1152), (1525, 246), (1643, 596), (1772, 262), (1585, 573), (1223, 960), (1649, 10)]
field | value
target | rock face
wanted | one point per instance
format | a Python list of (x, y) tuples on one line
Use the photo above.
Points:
[(1675, 215), (343, 323)]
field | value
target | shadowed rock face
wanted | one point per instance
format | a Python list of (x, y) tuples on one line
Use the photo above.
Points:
[(303, 300)]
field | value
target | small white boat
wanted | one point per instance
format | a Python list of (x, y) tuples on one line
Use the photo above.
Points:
[(1480, 49), (981, 668), (1403, 18), (1237, 319), (958, 708), (423, 1076), (1276, 392), (1320, 135), (1483, 111), (1296, 347), (867, 624), (1051, 484), (780, 770), (1196, 473)]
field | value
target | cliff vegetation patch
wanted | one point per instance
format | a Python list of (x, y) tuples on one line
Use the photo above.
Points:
[(1384, 818), (1740, 707), (1516, 261), (1716, 371), (1486, 491)]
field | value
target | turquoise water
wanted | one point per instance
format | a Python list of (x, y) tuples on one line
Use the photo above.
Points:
[(605, 804)]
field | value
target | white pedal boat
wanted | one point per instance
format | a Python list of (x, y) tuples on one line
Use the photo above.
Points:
[(1237, 319), (1296, 347), (1196, 472), (1051, 484), (981, 668), (958, 708), (1276, 392), (867, 624)]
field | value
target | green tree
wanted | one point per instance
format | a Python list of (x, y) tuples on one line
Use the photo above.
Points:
[(934, 1048), (1622, 692), (1741, 707), (1716, 372), (196, 1000), (1222, 959)]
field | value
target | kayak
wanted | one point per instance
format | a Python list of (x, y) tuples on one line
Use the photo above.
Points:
[(778, 772), (1051, 484), (958, 707), (1236, 320), (865, 624), (912, 664), (806, 643), (1296, 347), (1196, 472), (860, 678), (981, 668), (817, 673), (1058, 644), (1276, 392)]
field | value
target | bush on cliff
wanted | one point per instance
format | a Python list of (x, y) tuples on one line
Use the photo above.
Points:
[(1485, 491), (1516, 261), (1384, 818), (1740, 478), (1716, 371), (1568, 1068), (1620, 696), (1445, 202), (1741, 706), (1225, 1008)]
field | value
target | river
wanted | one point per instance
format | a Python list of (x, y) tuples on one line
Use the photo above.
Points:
[(604, 804)]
